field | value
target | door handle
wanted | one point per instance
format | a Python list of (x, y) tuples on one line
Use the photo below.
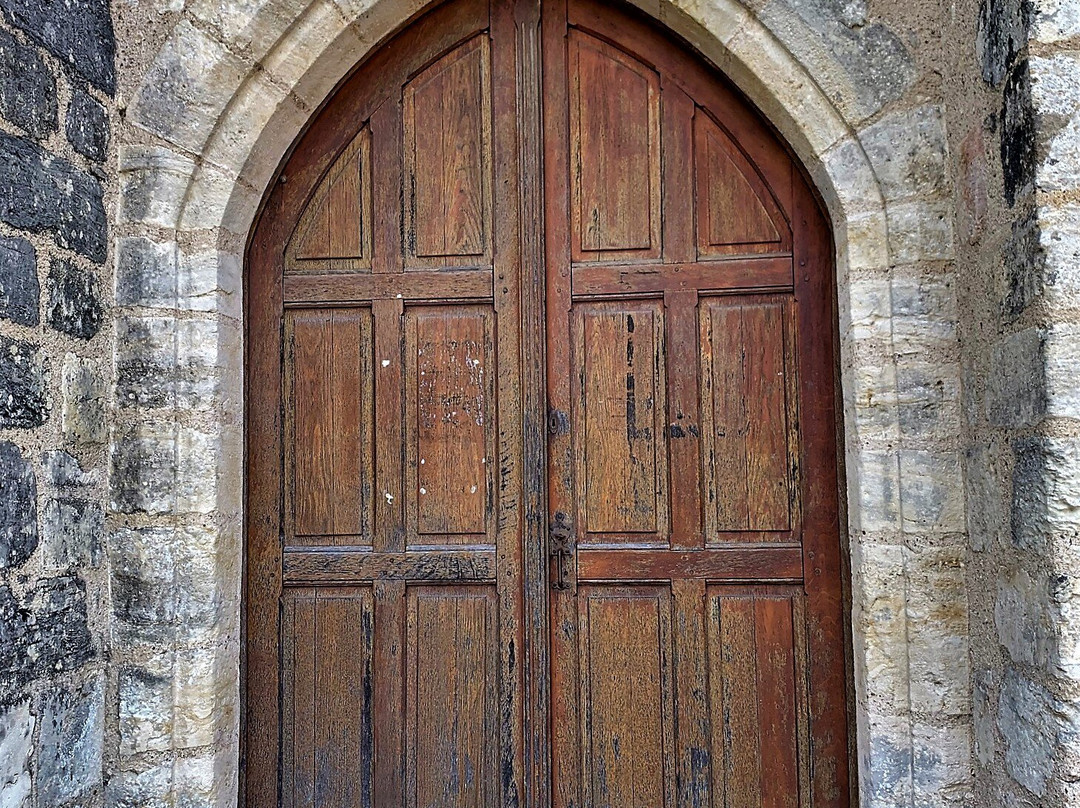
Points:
[(561, 548)]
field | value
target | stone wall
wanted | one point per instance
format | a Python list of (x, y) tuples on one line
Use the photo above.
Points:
[(1018, 160), (56, 86)]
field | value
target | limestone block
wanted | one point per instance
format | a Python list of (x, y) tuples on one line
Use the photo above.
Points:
[(143, 473), (188, 87), (196, 699), (1055, 21), (1055, 93), (928, 398), (146, 272), (937, 632), (908, 153), (986, 493), (164, 584), (924, 313), (872, 387), (920, 230), (1062, 371), (880, 624), (251, 25), (1033, 725), (16, 734), (874, 487), (166, 362), (1055, 255), (146, 706), (153, 184), (941, 766), (790, 88), (1046, 493), (858, 62), (931, 492), (886, 765)]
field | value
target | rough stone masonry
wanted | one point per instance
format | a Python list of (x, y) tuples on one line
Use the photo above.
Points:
[(135, 143)]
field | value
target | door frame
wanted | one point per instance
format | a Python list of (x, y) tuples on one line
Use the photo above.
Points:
[(262, 418)]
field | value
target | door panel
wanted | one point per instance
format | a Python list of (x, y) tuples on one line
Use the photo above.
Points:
[(542, 497)]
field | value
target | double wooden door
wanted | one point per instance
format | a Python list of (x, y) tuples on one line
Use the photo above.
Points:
[(542, 490)]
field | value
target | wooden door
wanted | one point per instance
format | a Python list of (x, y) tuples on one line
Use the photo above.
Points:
[(508, 547), (696, 615)]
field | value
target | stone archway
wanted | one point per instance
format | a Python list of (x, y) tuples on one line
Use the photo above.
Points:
[(221, 103)]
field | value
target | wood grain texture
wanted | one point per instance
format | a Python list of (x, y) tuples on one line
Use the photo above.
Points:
[(447, 130), (328, 670), (736, 211), (615, 152), (627, 721), (329, 448), (451, 736), (334, 232), (450, 420), (746, 346)]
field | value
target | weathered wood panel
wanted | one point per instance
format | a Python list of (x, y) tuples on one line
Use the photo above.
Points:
[(615, 143), (447, 129), (329, 424)]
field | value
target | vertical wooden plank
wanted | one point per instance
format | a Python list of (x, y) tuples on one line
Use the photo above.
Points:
[(520, 672), (738, 680), (615, 157), (451, 747), (566, 774), (677, 138), (682, 365), (312, 353), (389, 522), (766, 437), (345, 215), (729, 417), (386, 186), (776, 702), (627, 719), (304, 696), (692, 714), (389, 694), (345, 398)]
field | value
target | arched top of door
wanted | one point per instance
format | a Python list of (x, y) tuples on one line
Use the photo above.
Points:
[(626, 75)]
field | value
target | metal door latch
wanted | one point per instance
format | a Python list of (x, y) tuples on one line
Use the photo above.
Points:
[(561, 548)]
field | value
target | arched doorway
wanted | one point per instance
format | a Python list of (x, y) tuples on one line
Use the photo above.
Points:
[(542, 502)]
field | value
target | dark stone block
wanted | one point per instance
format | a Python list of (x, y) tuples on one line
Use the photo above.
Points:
[(87, 125), (77, 32), (143, 478), (64, 470), (1001, 35), (22, 380), (1024, 262), (70, 746), (1028, 503), (19, 289), (42, 634), (45, 194), (27, 88), (72, 532), (18, 507), (1018, 158), (74, 302)]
